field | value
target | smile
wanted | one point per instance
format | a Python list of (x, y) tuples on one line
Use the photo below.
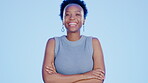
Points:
[(72, 24)]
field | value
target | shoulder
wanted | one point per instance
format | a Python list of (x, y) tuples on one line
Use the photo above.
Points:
[(96, 42), (93, 38), (50, 42)]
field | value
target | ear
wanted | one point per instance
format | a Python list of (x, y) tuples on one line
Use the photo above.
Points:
[(83, 21), (63, 22)]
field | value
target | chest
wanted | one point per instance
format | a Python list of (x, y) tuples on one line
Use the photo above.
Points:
[(73, 60)]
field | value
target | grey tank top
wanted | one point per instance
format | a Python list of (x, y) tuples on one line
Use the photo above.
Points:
[(73, 57)]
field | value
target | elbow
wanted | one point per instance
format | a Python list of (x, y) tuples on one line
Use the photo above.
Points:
[(50, 79), (47, 80)]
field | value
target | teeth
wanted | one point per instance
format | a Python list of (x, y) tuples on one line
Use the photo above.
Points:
[(72, 23)]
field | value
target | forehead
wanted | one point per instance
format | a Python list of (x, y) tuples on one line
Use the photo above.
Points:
[(73, 7)]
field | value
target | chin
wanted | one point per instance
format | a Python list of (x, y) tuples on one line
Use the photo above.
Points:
[(73, 31)]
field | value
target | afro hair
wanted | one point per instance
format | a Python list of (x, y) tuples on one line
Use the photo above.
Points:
[(79, 2)]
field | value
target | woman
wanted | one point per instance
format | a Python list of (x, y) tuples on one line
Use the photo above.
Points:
[(73, 58)]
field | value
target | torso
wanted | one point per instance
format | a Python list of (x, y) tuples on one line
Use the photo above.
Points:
[(73, 57)]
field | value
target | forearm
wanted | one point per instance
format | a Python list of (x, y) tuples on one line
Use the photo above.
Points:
[(60, 78), (51, 76), (76, 78), (89, 81), (72, 78)]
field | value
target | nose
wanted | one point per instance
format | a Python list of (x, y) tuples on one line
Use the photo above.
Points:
[(72, 17)]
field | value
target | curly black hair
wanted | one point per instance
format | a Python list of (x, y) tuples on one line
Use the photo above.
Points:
[(79, 2)]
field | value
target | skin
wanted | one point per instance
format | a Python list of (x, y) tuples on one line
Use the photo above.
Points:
[(73, 13)]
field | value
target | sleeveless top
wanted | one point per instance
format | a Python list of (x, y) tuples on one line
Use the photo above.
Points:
[(73, 57)]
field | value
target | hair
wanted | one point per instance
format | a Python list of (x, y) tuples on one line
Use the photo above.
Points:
[(79, 2)]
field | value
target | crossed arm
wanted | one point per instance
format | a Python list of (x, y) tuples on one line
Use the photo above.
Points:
[(50, 75)]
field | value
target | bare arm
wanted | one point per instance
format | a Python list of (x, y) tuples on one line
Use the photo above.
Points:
[(98, 55), (51, 76), (76, 78)]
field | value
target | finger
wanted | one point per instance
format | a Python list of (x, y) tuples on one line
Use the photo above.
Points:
[(46, 67), (49, 68), (98, 78), (102, 71), (99, 75), (53, 67), (102, 75), (49, 72)]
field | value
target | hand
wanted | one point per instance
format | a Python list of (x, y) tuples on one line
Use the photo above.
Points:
[(51, 69), (95, 74), (52, 72)]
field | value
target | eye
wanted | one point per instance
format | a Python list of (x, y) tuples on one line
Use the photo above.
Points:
[(66, 14), (78, 14)]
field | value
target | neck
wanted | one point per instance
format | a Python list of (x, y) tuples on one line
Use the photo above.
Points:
[(73, 36)]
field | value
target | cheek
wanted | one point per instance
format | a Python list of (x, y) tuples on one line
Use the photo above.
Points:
[(82, 21), (65, 22)]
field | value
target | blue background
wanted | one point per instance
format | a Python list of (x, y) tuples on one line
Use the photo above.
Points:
[(120, 25)]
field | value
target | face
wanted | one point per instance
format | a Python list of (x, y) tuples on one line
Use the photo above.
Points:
[(73, 17)]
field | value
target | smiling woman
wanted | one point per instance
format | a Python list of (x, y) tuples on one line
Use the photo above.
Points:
[(73, 17), (73, 58)]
